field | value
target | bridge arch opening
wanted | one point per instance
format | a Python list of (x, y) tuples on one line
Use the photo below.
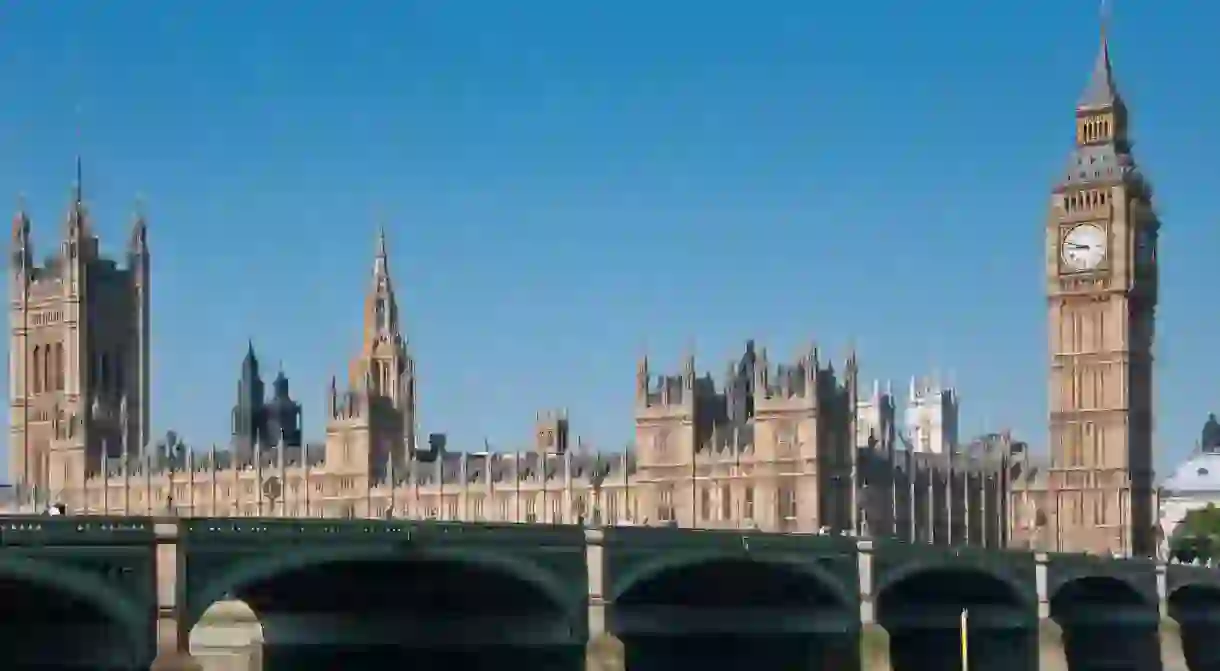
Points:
[(923, 613), (722, 613), (414, 612), (1107, 624), (228, 635), (1196, 609), (45, 626)]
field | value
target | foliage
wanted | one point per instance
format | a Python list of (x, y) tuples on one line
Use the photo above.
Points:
[(1198, 536)]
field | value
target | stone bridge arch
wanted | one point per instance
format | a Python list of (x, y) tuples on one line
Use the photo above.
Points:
[(920, 603), (705, 607), (1024, 592), (1099, 572), (1107, 620), (133, 622), (253, 570), (797, 564), (1195, 606)]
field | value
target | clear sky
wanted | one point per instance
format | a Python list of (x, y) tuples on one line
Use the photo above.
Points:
[(567, 184)]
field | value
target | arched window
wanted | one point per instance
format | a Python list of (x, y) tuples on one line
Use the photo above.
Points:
[(36, 366), (47, 376), (59, 366)]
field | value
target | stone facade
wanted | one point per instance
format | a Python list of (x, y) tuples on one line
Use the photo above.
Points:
[(774, 447), (79, 334), (1096, 493)]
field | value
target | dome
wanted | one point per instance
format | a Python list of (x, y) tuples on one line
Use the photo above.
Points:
[(1200, 473)]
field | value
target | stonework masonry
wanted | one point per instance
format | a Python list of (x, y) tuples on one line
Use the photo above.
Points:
[(1096, 494), (783, 447)]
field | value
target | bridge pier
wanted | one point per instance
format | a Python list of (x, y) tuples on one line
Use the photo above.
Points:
[(874, 648), (1052, 656), (1173, 655), (173, 639), (1169, 632), (604, 651)]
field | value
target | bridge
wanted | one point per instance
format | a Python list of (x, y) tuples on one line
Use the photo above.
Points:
[(112, 593)]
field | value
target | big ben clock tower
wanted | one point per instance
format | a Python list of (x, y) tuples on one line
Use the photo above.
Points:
[(1101, 270)]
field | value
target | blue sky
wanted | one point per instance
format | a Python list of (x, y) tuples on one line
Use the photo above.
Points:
[(566, 185)]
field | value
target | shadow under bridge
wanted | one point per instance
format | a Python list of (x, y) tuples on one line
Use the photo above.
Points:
[(55, 623), (1106, 624), (419, 612), (736, 613), (1196, 609), (922, 612)]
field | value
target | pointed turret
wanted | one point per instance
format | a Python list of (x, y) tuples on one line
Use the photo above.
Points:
[(249, 364), (381, 306), (1103, 150), (77, 220), (22, 245), (280, 385), (137, 240), (384, 366), (1100, 93), (79, 246)]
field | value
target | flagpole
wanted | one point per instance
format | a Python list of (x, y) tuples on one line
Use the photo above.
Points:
[(965, 640)]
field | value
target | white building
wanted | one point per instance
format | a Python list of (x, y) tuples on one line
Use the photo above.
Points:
[(1194, 484), (929, 420)]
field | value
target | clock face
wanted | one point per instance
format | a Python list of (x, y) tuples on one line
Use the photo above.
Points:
[(1084, 247)]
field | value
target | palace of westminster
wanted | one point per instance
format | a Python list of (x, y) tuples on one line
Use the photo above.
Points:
[(796, 446)]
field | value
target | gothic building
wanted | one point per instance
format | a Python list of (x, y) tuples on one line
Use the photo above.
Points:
[(775, 448), (780, 448), (259, 422), (79, 338), (1096, 494), (784, 447)]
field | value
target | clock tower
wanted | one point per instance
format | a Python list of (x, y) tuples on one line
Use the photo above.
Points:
[(1101, 270)]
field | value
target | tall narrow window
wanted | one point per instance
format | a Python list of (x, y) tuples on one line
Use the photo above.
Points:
[(787, 501), (118, 373), (47, 378), (59, 366), (36, 369), (103, 376)]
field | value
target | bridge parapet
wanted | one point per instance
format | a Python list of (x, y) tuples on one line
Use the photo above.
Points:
[(246, 531), (635, 555), (44, 530), (1187, 575)]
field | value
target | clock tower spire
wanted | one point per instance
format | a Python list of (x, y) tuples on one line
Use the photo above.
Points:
[(1101, 274)]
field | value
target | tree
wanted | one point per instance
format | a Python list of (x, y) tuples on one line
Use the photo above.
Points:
[(1198, 536)]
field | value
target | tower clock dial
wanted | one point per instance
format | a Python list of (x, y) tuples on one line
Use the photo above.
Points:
[(1084, 247)]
